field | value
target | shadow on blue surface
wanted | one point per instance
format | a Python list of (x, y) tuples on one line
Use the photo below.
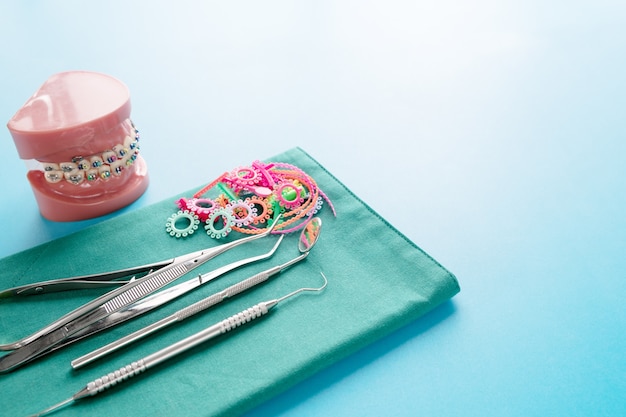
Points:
[(321, 381)]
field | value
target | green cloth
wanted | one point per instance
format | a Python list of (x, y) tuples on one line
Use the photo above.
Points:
[(378, 281)]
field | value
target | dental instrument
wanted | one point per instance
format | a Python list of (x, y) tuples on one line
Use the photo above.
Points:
[(158, 299), (100, 384), (30, 347), (307, 239)]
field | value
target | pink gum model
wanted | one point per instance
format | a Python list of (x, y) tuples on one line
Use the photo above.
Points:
[(78, 114)]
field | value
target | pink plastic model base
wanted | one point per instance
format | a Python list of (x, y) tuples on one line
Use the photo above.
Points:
[(77, 130)]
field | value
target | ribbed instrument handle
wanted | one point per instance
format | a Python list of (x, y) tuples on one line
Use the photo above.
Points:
[(115, 377), (226, 293)]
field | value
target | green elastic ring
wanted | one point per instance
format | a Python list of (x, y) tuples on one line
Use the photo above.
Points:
[(229, 221), (175, 231)]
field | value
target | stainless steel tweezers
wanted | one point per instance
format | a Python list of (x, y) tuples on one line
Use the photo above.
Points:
[(119, 304)]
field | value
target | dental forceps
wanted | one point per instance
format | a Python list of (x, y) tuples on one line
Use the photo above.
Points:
[(72, 323), (158, 299)]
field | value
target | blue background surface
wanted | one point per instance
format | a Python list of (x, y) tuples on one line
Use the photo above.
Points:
[(491, 133)]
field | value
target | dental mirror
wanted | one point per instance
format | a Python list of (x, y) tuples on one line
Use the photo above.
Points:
[(309, 234)]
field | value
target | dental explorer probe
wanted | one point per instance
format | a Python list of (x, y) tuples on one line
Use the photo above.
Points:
[(112, 378)]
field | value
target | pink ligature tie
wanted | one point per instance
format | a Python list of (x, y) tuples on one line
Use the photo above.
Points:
[(81, 147)]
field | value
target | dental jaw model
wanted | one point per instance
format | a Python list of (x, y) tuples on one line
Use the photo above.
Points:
[(80, 145)]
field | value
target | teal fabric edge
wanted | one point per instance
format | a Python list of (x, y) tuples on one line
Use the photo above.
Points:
[(295, 368), (356, 344), (375, 213)]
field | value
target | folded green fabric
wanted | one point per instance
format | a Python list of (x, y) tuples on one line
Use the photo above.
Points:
[(378, 281)]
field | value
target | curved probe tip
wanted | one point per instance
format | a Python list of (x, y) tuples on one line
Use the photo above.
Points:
[(298, 291), (54, 407)]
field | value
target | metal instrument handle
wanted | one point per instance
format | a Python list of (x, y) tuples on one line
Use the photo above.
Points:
[(113, 378), (215, 330), (134, 368), (180, 315), (226, 293)]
